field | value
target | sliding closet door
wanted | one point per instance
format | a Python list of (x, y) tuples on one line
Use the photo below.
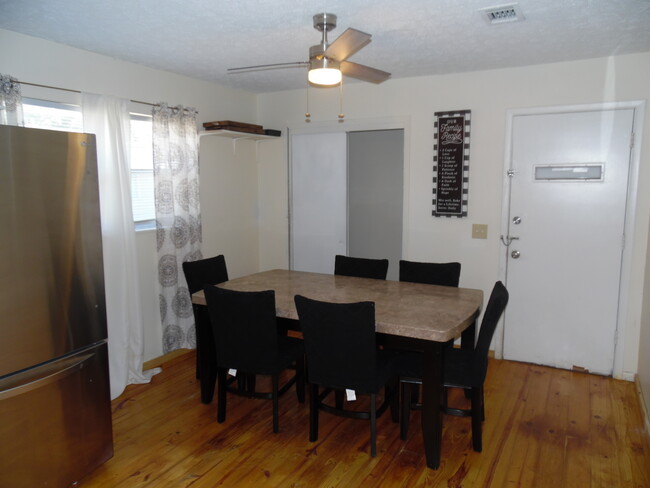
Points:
[(375, 195), (318, 200)]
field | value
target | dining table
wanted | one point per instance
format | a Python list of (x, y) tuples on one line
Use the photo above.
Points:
[(418, 316)]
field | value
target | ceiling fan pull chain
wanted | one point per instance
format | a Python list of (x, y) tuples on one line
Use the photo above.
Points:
[(341, 114), (307, 113)]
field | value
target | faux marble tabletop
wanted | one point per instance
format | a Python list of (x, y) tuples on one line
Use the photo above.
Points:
[(435, 313)]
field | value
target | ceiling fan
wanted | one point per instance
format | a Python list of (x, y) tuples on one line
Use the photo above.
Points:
[(328, 62)]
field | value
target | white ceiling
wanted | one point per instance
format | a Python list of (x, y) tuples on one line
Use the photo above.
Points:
[(202, 38)]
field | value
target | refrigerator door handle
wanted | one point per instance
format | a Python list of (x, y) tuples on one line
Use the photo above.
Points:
[(46, 376)]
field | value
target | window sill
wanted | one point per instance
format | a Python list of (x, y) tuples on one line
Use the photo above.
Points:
[(145, 225)]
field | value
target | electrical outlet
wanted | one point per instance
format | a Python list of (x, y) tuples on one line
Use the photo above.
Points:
[(479, 231)]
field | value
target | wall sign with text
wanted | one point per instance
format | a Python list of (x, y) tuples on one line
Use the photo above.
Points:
[(451, 163)]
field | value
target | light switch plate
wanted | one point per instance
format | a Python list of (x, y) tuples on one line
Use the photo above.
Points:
[(479, 231)]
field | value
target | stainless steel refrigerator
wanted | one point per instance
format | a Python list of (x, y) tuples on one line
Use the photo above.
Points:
[(55, 413)]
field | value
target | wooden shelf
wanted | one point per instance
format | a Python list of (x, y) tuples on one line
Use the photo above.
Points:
[(236, 135)]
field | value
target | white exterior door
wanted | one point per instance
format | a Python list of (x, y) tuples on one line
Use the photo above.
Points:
[(318, 200), (568, 195)]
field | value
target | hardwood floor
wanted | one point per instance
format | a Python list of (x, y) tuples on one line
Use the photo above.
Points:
[(544, 427)]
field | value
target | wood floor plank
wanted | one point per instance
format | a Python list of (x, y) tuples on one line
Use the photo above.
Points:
[(543, 427)]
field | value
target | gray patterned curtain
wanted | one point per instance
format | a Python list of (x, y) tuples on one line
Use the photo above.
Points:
[(178, 218), (11, 101)]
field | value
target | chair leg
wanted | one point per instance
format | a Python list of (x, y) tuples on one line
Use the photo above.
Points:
[(241, 381), (482, 404), (198, 355), (276, 385), (313, 413), (373, 425), (222, 381), (205, 354), (300, 380), (250, 383), (477, 442), (392, 391), (338, 399), (405, 409), (415, 394)]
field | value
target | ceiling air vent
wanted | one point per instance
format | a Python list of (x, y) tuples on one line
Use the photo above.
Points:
[(502, 14)]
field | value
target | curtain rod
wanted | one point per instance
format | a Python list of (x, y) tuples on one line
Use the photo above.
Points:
[(78, 91)]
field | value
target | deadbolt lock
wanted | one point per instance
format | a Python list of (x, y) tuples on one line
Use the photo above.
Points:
[(516, 220)]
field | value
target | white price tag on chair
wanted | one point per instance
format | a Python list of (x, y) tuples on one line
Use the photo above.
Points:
[(350, 395), (232, 372)]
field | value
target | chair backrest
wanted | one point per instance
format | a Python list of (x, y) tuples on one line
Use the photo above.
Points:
[(495, 307), (244, 328), (444, 274), (210, 271), (340, 343), (361, 267)]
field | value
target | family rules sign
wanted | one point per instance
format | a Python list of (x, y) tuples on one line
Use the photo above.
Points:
[(451, 163)]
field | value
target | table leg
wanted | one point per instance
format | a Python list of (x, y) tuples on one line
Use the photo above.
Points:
[(432, 389), (468, 337)]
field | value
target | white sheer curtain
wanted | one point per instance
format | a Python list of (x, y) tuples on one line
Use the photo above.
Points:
[(11, 101), (108, 118), (178, 218)]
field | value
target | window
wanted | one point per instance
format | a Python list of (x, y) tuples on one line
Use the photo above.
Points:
[(142, 192), (43, 114)]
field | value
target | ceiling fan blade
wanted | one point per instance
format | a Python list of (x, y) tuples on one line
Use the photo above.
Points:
[(365, 73), (347, 44), (260, 67)]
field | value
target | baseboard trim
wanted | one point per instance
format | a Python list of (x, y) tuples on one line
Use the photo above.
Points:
[(160, 360), (644, 407)]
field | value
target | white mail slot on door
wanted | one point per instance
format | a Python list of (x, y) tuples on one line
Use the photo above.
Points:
[(569, 172)]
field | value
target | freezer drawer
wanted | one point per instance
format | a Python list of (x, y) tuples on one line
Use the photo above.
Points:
[(55, 421)]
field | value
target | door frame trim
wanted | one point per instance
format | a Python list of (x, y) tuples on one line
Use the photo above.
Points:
[(624, 298)]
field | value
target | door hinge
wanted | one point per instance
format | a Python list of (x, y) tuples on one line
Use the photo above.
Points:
[(632, 140), (510, 173)]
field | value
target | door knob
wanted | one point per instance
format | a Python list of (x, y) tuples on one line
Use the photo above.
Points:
[(515, 254)]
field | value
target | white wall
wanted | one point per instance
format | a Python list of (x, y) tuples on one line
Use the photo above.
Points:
[(488, 94), (644, 345), (229, 182)]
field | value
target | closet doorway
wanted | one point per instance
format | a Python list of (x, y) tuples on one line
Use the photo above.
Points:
[(346, 197)]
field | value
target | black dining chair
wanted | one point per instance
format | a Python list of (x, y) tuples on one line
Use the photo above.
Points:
[(443, 274), (463, 368), (360, 267), (247, 340), (341, 354), (211, 271)]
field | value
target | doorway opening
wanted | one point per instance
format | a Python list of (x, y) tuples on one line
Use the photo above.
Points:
[(346, 197)]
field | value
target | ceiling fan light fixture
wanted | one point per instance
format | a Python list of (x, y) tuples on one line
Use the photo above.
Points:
[(325, 76), (325, 72)]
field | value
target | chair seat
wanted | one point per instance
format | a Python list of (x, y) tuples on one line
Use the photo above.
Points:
[(289, 348), (388, 366), (456, 373)]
